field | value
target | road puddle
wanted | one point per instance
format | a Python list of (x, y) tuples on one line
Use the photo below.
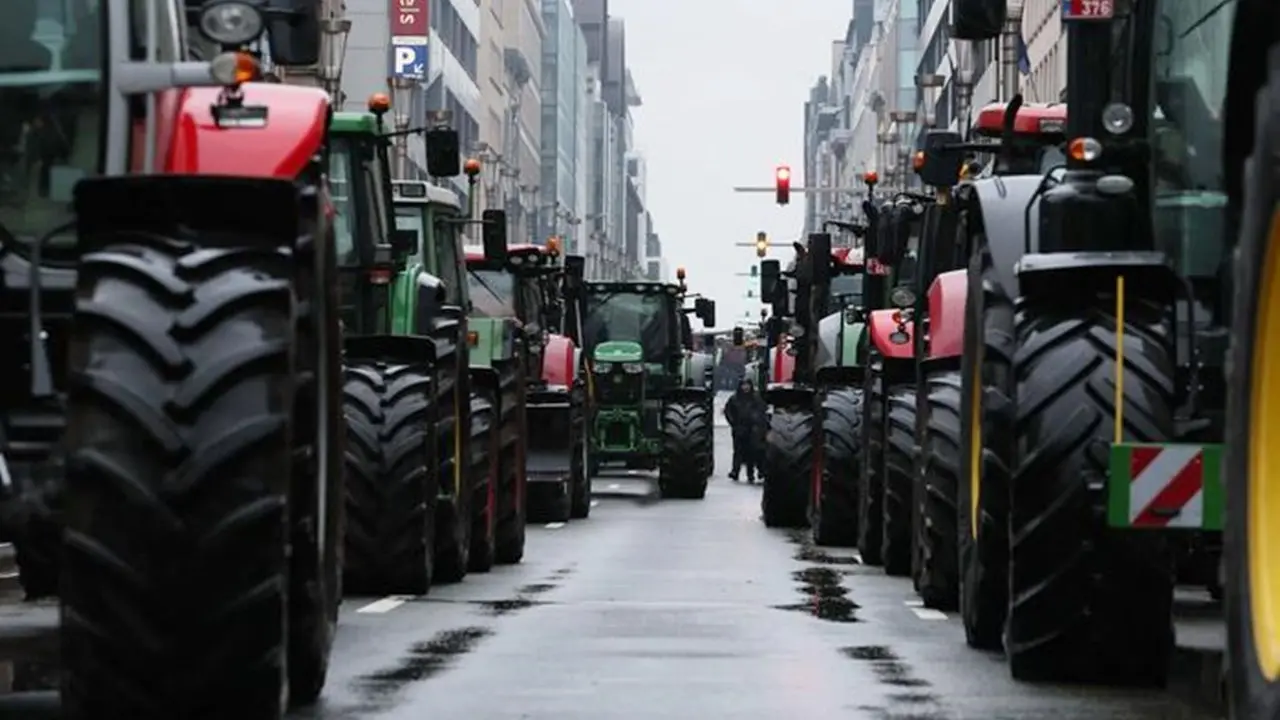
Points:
[(912, 700), (823, 596), (806, 551)]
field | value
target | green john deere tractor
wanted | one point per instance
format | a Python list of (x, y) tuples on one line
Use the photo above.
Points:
[(653, 402), (417, 438)]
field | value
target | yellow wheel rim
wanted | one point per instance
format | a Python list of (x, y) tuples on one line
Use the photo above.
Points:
[(1263, 549), (975, 441)]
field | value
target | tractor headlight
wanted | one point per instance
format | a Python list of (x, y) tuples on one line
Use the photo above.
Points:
[(604, 367), (902, 297), (632, 368), (231, 22)]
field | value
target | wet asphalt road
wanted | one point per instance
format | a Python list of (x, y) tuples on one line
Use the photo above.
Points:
[(682, 610)]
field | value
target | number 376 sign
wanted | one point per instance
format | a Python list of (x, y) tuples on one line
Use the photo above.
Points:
[(1088, 9)]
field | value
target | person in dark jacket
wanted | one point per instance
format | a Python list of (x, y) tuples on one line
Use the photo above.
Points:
[(747, 414)]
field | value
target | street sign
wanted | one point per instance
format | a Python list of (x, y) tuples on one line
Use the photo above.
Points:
[(1088, 9), (409, 17), (409, 61)]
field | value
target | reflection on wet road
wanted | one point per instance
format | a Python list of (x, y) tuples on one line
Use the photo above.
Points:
[(682, 609)]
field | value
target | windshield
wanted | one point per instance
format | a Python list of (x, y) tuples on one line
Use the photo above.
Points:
[(50, 110), (846, 290), (341, 187), (1193, 41), (492, 293), (640, 317)]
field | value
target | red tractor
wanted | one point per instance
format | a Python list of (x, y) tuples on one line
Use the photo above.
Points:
[(543, 296), (169, 273)]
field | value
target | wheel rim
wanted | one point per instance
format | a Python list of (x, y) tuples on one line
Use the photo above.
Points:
[(975, 439), (1263, 537)]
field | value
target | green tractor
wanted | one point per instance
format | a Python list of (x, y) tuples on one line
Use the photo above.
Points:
[(419, 437), (540, 298), (653, 399)]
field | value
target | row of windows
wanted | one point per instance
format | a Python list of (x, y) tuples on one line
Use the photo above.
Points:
[(457, 37)]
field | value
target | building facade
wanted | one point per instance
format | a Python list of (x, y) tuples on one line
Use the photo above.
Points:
[(564, 124)]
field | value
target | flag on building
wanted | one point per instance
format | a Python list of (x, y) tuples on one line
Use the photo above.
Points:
[(1024, 60)]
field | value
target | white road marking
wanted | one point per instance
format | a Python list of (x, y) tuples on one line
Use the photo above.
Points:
[(385, 605), (913, 603), (924, 613), (595, 503), (555, 526)]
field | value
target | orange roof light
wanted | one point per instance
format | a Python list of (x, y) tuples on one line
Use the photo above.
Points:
[(553, 245), (471, 167), (917, 161), (247, 68), (379, 103), (473, 338), (680, 273), (871, 177), (1084, 149)]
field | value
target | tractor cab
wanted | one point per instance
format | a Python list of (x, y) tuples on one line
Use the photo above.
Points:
[(427, 225), (1037, 142), (523, 288)]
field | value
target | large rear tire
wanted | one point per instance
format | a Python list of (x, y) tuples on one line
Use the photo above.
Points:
[(938, 580), (1088, 603), (784, 500), (986, 452), (454, 518), (514, 483), (686, 435), (178, 483), (579, 463), (871, 474), (833, 511), (485, 465), (899, 482), (1251, 529), (391, 489)]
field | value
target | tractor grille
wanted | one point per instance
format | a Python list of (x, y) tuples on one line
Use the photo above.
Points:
[(621, 388), (617, 435)]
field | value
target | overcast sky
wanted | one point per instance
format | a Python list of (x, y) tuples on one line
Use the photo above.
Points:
[(724, 84)]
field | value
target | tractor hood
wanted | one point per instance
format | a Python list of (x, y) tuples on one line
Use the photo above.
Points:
[(618, 351)]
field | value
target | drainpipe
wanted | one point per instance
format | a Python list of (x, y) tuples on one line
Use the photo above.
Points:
[(1009, 52)]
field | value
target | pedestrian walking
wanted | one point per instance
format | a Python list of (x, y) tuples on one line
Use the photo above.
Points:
[(747, 414)]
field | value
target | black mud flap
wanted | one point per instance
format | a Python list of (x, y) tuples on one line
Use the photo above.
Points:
[(789, 395), (226, 212), (405, 349), (547, 465), (548, 400), (845, 375), (1088, 274)]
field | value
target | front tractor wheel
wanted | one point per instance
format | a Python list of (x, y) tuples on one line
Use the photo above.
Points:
[(833, 512), (686, 435), (784, 500), (177, 504), (899, 482), (391, 485), (482, 453), (871, 473), (512, 463), (939, 575), (1088, 602)]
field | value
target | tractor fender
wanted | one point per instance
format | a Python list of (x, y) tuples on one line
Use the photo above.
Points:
[(407, 349), (293, 135), (830, 340), (691, 394), (1150, 273), (946, 314), (559, 361), (882, 327), (789, 395), (783, 367), (1003, 204)]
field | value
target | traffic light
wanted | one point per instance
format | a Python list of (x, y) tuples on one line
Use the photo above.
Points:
[(755, 270), (783, 181), (762, 244)]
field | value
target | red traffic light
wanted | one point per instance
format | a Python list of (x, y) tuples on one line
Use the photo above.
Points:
[(782, 177)]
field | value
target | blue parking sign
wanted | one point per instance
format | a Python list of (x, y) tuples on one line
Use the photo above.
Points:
[(409, 61)]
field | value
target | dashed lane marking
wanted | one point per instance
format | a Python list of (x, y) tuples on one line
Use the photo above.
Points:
[(555, 525), (922, 612), (385, 605)]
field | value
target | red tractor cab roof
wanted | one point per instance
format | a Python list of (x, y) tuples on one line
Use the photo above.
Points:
[(476, 257), (847, 257), (1032, 119)]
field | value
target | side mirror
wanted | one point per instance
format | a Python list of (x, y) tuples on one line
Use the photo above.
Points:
[(706, 311), (820, 257), (404, 242), (493, 233), (444, 152), (739, 337), (943, 158), (293, 32), (770, 273)]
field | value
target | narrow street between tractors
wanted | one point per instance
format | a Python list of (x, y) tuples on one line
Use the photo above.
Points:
[(668, 609)]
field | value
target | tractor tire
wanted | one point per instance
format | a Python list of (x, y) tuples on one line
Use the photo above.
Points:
[(1088, 603), (1249, 530), (177, 502), (686, 434), (316, 552), (833, 510), (784, 500), (938, 579), (454, 518), (579, 464), (482, 450), (899, 482), (871, 473), (986, 455), (513, 441), (391, 489)]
